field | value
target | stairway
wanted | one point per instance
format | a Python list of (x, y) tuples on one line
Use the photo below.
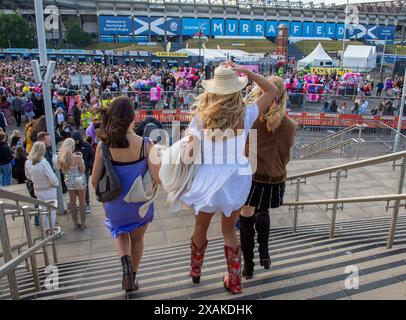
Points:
[(306, 265)]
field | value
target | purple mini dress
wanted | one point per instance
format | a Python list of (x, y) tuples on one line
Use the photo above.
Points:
[(123, 217)]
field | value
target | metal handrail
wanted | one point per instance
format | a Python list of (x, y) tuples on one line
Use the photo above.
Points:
[(4, 194), (336, 134), (341, 171), (12, 264), (351, 165), (377, 198), (329, 148), (390, 128)]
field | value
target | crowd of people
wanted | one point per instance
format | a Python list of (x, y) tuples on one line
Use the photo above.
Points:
[(119, 146), (99, 142)]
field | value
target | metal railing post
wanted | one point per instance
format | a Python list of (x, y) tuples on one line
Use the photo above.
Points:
[(43, 235), (7, 253), (395, 211), (51, 232), (30, 243), (334, 209), (296, 206)]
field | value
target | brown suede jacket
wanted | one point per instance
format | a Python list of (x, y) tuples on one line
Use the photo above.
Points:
[(273, 151)]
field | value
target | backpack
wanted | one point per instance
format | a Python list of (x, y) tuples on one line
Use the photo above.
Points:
[(149, 128)]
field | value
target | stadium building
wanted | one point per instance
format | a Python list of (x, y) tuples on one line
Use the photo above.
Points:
[(178, 20)]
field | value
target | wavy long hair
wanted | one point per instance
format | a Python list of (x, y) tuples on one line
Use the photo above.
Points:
[(220, 112), (273, 115), (115, 121), (37, 152), (65, 154)]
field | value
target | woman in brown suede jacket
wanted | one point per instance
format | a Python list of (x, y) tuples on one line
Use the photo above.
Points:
[(275, 137)]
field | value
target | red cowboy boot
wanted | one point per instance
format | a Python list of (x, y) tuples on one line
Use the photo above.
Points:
[(196, 260), (232, 280)]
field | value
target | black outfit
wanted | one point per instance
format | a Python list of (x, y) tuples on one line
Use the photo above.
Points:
[(2, 121), (263, 196), (19, 168), (5, 153), (76, 116), (88, 158)]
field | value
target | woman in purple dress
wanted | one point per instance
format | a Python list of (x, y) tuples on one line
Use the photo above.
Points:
[(129, 154)]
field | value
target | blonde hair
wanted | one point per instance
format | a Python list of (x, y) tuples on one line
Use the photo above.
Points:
[(277, 110), (37, 152), (220, 112), (16, 133), (65, 154)]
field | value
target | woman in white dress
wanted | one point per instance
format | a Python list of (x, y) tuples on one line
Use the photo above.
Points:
[(222, 183)]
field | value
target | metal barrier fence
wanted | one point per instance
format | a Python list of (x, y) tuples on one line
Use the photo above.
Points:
[(369, 139), (340, 172), (31, 245)]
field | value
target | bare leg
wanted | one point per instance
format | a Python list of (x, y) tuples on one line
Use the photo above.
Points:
[(123, 245), (137, 246), (202, 223), (247, 211), (73, 210), (228, 229), (82, 205)]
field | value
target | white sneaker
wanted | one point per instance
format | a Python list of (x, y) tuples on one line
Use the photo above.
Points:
[(88, 209)]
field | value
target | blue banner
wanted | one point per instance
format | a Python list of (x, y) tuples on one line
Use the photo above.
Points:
[(319, 29), (172, 26), (258, 28), (330, 30), (191, 26), (340, 31), (141, 26), (271, 28), (245, 28), (232, 27), (307, 28), (110, 25), (382, 32), (295, 29), (217, 27)]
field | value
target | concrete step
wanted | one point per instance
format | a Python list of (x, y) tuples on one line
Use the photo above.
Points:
[(305, 265)]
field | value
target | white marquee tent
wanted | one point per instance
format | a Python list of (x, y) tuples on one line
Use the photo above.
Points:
[(214, 54), (360, 58), (317, 58)]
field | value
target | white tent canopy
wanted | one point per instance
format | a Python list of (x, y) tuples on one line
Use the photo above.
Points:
[(360, 58), (317, 58), (214, 54)]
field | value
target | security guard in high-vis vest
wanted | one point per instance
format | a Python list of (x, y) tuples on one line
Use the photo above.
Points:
[(86, 118)]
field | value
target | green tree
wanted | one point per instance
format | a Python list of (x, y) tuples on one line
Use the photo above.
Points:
[(77, 37), (16, 32)]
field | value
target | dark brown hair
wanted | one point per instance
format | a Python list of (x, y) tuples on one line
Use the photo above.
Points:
[(38, 126), (114, 122), (42, 135)]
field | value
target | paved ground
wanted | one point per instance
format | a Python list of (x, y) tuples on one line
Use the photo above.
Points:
[(167, 233)]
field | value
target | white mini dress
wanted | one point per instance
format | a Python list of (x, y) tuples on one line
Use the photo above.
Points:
[(223, 180)]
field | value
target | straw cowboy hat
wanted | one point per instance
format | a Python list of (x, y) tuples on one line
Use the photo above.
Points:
[(225, 81)]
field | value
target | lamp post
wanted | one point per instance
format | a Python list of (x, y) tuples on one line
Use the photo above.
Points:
[(401, 110), (200, 46), (345, 33), (383, 58), (47, 70)]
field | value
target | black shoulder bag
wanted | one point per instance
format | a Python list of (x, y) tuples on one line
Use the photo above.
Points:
[(109, 187)]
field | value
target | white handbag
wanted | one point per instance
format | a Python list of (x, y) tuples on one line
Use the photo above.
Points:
[(144, 189)]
